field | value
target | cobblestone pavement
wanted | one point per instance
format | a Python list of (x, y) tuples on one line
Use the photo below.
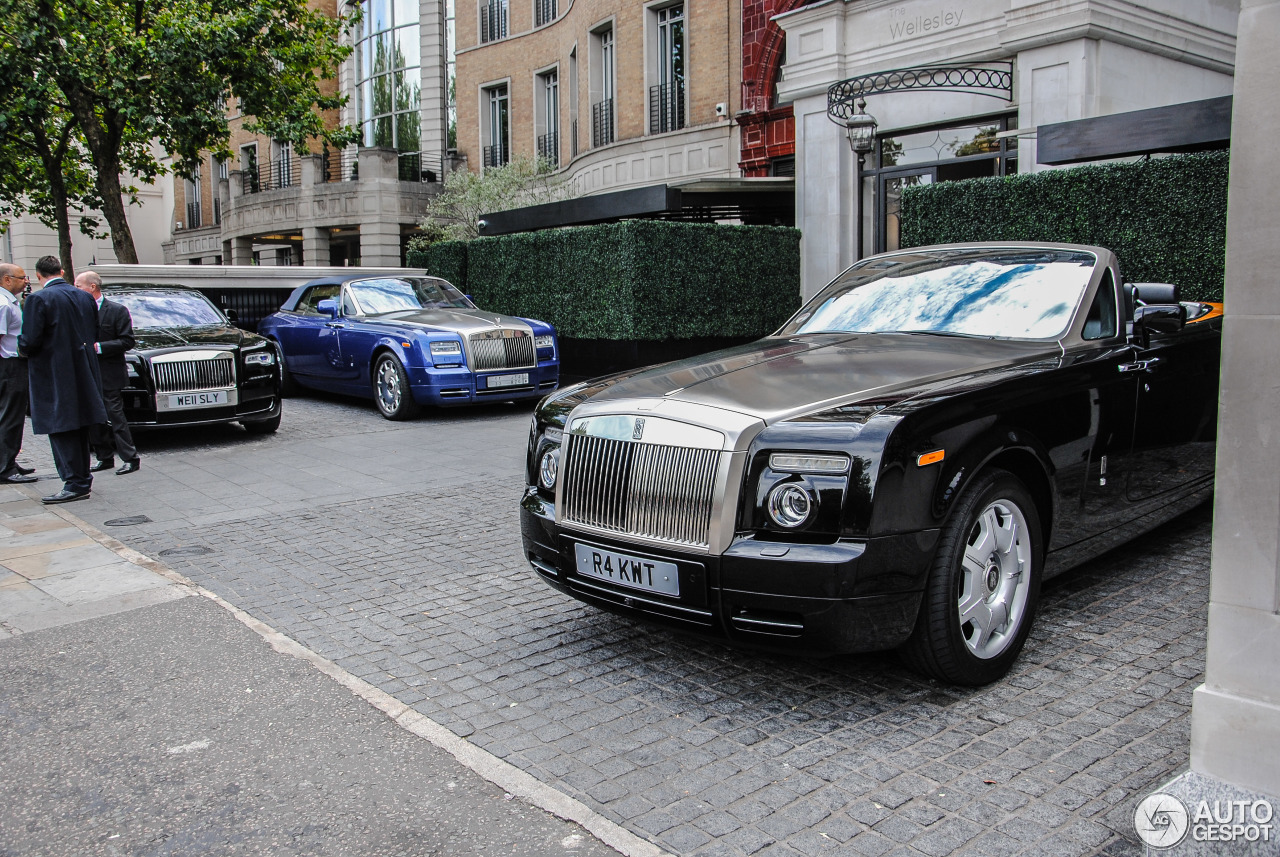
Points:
[(404, 566)]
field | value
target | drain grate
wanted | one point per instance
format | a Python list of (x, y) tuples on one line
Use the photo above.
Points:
[(131, 521), (193, 550)]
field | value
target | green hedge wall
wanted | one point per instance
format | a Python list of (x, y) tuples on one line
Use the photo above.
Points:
[(1166, 218), (636, 280)]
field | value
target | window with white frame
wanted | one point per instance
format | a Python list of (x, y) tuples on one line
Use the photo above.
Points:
[(497, 125), (194, 200), (249, 168), (282, 164), (388, 75), (603, 82), (667, 95), (493, 20), (547, 118)]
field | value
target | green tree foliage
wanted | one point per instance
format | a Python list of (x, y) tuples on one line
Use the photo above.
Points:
[(454, 213), (1166, 218), (142, 73), (642, 280)]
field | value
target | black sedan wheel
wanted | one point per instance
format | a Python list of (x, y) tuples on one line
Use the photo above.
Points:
[(391, 389), (981, 595)]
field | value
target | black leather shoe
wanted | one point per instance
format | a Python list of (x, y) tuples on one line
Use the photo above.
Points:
[(16, 478), (64, 496), (129, 467), (25, 471), (104, 464)]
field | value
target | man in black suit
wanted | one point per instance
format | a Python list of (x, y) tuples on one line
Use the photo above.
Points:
[(59, 328), (115, 337)]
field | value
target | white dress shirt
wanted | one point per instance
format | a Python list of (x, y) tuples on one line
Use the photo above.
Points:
[(10, 323)]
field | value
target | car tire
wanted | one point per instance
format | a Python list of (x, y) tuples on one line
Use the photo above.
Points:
[(391, 391), (263, 426), (288, 386), (980, 598)]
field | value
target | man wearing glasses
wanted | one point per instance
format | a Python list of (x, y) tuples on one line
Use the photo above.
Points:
[(13, 376)]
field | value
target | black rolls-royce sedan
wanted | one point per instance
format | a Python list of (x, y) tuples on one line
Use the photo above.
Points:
[(899, 466), (191, 366)]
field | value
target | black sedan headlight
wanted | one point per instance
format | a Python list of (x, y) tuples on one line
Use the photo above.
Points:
[(799, 492)]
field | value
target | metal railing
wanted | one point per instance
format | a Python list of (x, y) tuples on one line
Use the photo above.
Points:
[(549, 147), (496, 156), (666, 107), (573, 140), (544, 12), (602, 123), (493, 21), (279, 173), (217, 210), (420, 167), (340, 166), (193, 215)]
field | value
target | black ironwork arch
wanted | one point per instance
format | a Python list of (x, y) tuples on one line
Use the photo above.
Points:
[(993, 78)]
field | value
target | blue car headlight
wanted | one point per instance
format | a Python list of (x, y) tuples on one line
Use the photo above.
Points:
[(445, 347), (546, 340)]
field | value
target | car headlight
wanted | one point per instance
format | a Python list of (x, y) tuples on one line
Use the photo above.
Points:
[(790, 505), (446, 346), (546, 340), (132, 369), (796, 463), (549, 468), (259, 358)]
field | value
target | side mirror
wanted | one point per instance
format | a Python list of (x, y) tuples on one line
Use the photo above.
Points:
[(328, 307), (1160, 318)]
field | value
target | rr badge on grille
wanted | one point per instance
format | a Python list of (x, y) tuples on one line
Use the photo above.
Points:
[(637, 431)]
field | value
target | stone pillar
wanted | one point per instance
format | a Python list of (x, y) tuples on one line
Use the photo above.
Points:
[(379, 244), (235, 184), (377, 163), (1235, 723), (242, 251), (315, 245), (312, 169)]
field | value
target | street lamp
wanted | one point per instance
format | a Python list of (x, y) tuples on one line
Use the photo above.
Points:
[(860, 128)]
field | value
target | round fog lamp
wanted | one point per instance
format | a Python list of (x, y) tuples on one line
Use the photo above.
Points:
[(548, 468), (789, 505)]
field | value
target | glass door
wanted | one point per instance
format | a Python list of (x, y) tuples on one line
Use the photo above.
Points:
[(889, 199)]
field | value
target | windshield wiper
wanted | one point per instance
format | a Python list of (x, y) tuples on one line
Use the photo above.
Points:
[(944, 333)]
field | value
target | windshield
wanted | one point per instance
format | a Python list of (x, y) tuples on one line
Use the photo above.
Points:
[(1003, 294), (168, 309), (390, 295)]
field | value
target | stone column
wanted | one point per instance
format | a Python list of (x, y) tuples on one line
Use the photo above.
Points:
[(312, 169), (1235, 722), (379, 244), (242, 251), (315, 245)]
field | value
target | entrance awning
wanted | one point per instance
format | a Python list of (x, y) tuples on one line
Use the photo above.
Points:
[(1194, 126), (769, 201)]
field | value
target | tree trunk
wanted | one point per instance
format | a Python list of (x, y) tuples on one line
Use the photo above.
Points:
[(108, 182)]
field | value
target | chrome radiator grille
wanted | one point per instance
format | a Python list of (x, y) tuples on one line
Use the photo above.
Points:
[(641, 489), (513, 350), (182, 376)]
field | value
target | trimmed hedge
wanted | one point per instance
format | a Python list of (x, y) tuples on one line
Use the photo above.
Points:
[(1166, 218), (635, 280)]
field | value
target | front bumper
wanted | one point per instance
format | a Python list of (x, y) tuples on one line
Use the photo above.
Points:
[(850, 596), (447, 387), (257, 399)]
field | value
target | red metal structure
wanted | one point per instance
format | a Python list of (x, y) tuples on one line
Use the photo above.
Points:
[(768, 130)]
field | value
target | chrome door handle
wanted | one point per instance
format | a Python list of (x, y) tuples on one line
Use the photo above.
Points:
[(1140, 365), (339, 325)]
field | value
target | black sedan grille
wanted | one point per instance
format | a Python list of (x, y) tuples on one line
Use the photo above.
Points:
[(184, 376), (502, 349), (640, 489)]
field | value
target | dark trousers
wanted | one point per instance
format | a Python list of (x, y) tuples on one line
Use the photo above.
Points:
[(13, 410), (115, 437), (71, 455)]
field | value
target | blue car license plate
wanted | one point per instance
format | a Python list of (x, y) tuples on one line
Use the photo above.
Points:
[(651, 575), (495, 381)]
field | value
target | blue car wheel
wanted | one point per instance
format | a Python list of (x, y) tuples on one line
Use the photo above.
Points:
[(391, 389)]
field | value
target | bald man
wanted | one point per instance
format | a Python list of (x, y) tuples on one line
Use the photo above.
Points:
[(13, 375), (115, 337)]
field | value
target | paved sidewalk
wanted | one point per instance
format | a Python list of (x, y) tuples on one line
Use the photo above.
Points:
[(138, 715)]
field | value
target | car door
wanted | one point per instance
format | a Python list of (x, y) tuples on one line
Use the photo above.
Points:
[(348, 345), (301, 336)]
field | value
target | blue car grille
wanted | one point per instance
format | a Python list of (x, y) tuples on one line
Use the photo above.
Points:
[(181, 376), (502, 349), (642, 489)]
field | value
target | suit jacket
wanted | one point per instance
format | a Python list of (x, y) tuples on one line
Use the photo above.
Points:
[(115, 337), (59, 327)]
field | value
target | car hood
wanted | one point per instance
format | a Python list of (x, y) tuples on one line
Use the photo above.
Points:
[(782, 378), (464, 321), (161, 338)]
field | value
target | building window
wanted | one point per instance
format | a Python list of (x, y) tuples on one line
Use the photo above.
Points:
[(194, 219), (497, 130), (544, 12), (548, 118), (249, 168), (388, 75), (493, 20), (666, 97), (282, 164), (603, 82), (573, 102)]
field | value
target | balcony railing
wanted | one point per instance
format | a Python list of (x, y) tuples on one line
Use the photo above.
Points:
[(193, 215), (666, 107), (573, 141), (549, 147), (496, 156), (420, 167), (544, 12), (340, 166), (493, 21), (280, 173), (602, 123)]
